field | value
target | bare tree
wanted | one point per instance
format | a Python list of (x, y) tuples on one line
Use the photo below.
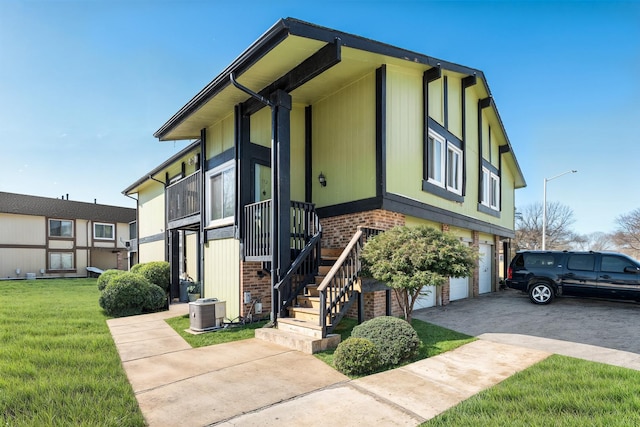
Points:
[(529, 226), (597, 241), (627, 234)]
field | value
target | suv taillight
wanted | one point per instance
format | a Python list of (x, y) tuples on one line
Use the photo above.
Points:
[(510, 273)]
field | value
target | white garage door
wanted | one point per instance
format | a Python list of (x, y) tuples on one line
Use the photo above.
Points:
[(425, 301), (484, 276), (458, 288)]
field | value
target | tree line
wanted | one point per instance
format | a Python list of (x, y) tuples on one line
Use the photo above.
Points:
[(624, 238)]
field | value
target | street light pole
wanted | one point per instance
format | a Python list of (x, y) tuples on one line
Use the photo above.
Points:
[(544, 207)]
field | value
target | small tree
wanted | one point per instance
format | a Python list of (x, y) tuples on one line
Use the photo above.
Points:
[(409, 258)]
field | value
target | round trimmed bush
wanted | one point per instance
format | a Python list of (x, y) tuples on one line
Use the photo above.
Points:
[(156, 299), (356, 356), (136, 268), (106, 276), (125, 295), (156, 272), (395, 339)]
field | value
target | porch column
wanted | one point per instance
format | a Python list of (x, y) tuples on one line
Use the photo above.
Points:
[(281, 194)]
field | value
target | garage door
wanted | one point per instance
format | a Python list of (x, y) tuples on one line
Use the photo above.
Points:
[(458, 288), (484, 276), (425, 301)]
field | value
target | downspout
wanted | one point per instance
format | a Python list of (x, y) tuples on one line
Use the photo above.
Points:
[(203, 203), (274, 197)]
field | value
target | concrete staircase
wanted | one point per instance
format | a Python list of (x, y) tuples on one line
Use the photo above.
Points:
[(301, 330)]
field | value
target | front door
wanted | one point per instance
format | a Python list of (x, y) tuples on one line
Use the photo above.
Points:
[(261, 182)]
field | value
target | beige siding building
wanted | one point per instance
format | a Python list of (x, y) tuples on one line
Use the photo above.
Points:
[(44, 237)]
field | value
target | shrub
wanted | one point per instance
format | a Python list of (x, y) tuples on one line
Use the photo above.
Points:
[(356, 356), (156, 298), (125, 295), (156, 272), (395, 339), (106, 276), (136, 268)]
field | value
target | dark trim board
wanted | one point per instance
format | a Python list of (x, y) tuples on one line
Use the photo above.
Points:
[(381, 130), (441, 192), (220, 233), (350, 207), (150, 239), (405, 206), (190, 221), (487, 210), (395, 203), (220, 159)]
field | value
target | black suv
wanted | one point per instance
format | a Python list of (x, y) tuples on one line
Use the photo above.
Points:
[(545, 274)]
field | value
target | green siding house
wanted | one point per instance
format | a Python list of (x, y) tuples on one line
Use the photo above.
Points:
[(308, 143)]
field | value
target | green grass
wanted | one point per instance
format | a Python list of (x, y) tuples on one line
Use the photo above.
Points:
[(434, 340), (559, 391), (58, 363), (179, 324)]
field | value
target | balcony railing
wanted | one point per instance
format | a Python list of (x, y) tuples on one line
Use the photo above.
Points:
[(183, 197), (257, 232)]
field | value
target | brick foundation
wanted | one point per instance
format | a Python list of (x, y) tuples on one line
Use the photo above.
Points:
[(260, 287)]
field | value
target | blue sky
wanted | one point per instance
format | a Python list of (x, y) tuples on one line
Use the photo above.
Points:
[(84, 84)]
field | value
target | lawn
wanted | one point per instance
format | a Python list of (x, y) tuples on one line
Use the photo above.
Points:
[(58, 363), (59, 367), (559, 391)]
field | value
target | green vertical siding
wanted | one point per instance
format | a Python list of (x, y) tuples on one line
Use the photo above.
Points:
[(222, 273), (344, 142), (405, 152), (454, 100), (404, 131), (261, 127), (297, 153), (220, 136)]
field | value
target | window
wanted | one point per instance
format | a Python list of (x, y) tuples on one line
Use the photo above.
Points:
[(490, 189), (583, 262), (60, 228), (454, 169), (61, 261), (221, 195), (103, 231), (615, 264), (435, 169), (444, 163)]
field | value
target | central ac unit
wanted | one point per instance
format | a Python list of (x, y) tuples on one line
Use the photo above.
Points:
[(206, 314)]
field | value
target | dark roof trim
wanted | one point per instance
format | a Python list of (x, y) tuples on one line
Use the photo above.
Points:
[(191, 147), (257, 50), (277, 33)]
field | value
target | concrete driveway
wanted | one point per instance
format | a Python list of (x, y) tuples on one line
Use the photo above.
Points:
[(595, 322)]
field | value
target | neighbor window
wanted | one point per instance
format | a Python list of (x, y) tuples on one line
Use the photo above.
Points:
[(103, 231), (221, 195), (444, 163), (60, 228), (490, 189), (61, 261)]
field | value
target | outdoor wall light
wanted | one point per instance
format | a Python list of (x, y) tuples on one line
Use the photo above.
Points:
[(322, 180)]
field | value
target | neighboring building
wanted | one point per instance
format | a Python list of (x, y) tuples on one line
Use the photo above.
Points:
[(367, 134), (45, 237)]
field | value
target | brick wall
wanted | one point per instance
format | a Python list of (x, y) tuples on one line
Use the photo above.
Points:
[(260, 287), (337, 231)]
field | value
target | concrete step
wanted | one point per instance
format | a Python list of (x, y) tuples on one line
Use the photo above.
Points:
[(331, 252), (295, 341), (300, 326)]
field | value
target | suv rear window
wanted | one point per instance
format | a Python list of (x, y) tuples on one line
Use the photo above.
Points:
[(538, 260)]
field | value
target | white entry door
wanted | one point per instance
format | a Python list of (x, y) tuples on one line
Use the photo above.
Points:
[(484, 276), (425, 301)]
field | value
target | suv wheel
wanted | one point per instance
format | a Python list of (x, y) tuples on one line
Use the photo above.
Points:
[(541, 293)]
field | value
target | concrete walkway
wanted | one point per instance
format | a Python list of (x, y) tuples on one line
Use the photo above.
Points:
[(252, 382)]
